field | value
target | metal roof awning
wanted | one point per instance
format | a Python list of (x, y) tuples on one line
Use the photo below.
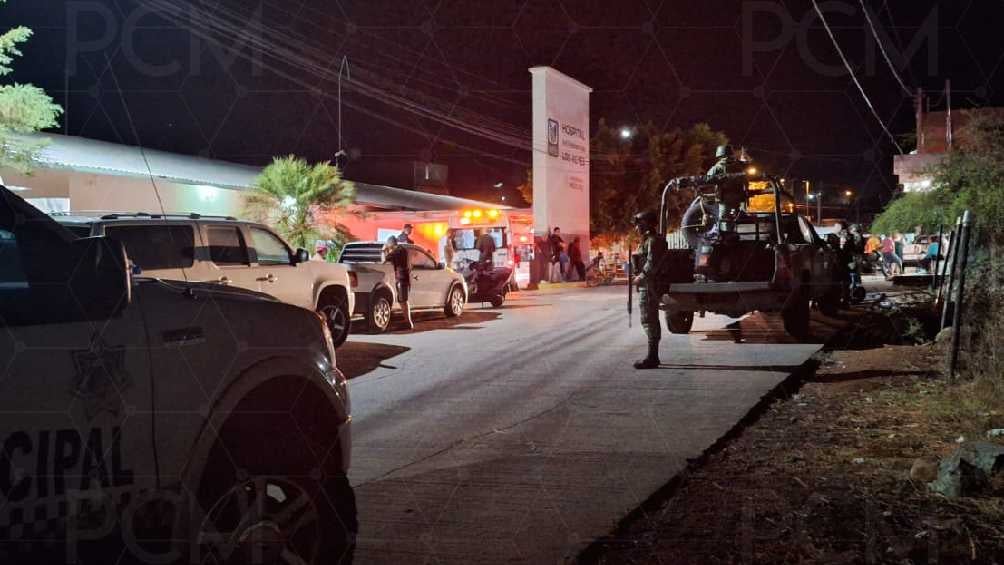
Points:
[(102, 157)]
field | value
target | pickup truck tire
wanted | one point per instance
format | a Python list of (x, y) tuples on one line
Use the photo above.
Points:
[(454, 303), (379, 313), (796, 314), (679, 322), (263, 492), (335, 310), (829, 304)]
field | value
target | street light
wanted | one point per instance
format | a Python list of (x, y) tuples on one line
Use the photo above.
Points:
[(626, 133), (848, 193)]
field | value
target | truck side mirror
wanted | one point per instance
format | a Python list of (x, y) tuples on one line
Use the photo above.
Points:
[(301, 255)]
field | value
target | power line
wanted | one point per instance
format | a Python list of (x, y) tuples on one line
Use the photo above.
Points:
[(854, 77), (292, 51), (885, 55)]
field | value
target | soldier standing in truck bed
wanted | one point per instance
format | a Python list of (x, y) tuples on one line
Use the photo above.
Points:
[(725, 162), (647, 263)]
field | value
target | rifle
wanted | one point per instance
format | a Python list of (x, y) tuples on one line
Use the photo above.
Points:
[(630, 290)]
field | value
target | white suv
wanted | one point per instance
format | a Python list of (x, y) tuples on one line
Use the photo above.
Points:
[(225, 251)]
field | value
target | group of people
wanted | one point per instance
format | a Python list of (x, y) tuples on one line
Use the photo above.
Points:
[(563, 261), (889, 248)]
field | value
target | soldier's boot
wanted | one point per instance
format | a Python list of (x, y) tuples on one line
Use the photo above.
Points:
[(652, 361)]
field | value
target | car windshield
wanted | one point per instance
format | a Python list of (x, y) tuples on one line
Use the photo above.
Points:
[(467, 239)]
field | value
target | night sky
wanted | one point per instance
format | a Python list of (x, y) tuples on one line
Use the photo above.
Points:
[(447, 80)]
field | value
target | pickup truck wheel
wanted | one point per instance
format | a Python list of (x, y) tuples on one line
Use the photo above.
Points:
[(263, 499), (336, 315), (497, 300), (679, 322), (829, 304), (796, 315), (378, 315), (454, 303)]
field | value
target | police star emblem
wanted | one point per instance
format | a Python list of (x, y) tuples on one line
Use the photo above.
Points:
[(100, 378)]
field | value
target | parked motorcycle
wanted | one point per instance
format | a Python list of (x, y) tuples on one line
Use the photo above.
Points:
[(486, 282)]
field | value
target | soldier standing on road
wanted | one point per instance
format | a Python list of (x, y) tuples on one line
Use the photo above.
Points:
[(647, 262)]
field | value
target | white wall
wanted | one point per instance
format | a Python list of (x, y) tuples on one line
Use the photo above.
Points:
[(561, 155), (114, 193)]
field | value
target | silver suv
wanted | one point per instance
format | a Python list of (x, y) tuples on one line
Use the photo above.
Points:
[(225, 251)]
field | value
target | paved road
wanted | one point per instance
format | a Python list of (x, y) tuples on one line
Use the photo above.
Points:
[(521, 434)]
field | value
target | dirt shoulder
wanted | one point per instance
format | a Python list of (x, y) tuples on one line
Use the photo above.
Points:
[(825, 475)]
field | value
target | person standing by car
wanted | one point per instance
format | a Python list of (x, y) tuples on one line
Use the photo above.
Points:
[(397, 255), (446, 249), (405, 236)]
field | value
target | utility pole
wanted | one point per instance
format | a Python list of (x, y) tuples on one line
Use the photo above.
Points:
[(920, 120), (808, 212), (344, 66), (819, 208), (948, 115)]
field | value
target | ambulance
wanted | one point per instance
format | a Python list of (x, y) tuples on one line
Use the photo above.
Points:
[(153, 421), (512, 231)]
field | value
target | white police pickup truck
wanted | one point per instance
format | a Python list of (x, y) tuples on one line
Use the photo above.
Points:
[(146, 421)]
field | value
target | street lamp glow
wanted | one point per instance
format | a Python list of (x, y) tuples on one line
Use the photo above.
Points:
[(626, 133), (751, 171), (849, 193), (812, 197)]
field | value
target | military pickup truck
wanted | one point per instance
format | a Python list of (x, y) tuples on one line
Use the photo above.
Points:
[(745, 256), (153, 421)]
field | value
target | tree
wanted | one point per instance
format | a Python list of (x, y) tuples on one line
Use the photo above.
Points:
[(289, 193), (526, 189), (628, 174), (24, 109), (970, 177)]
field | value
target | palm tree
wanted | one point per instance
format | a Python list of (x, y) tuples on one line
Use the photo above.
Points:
[(289, 192)]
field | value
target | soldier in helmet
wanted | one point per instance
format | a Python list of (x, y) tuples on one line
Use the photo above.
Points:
[(647, 262), (726, 162), (732, 195)]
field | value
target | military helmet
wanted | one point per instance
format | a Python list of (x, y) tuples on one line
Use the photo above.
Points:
[(646, 218), (723, 151)]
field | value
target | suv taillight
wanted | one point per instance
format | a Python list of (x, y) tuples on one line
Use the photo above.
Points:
[(353, 280)]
